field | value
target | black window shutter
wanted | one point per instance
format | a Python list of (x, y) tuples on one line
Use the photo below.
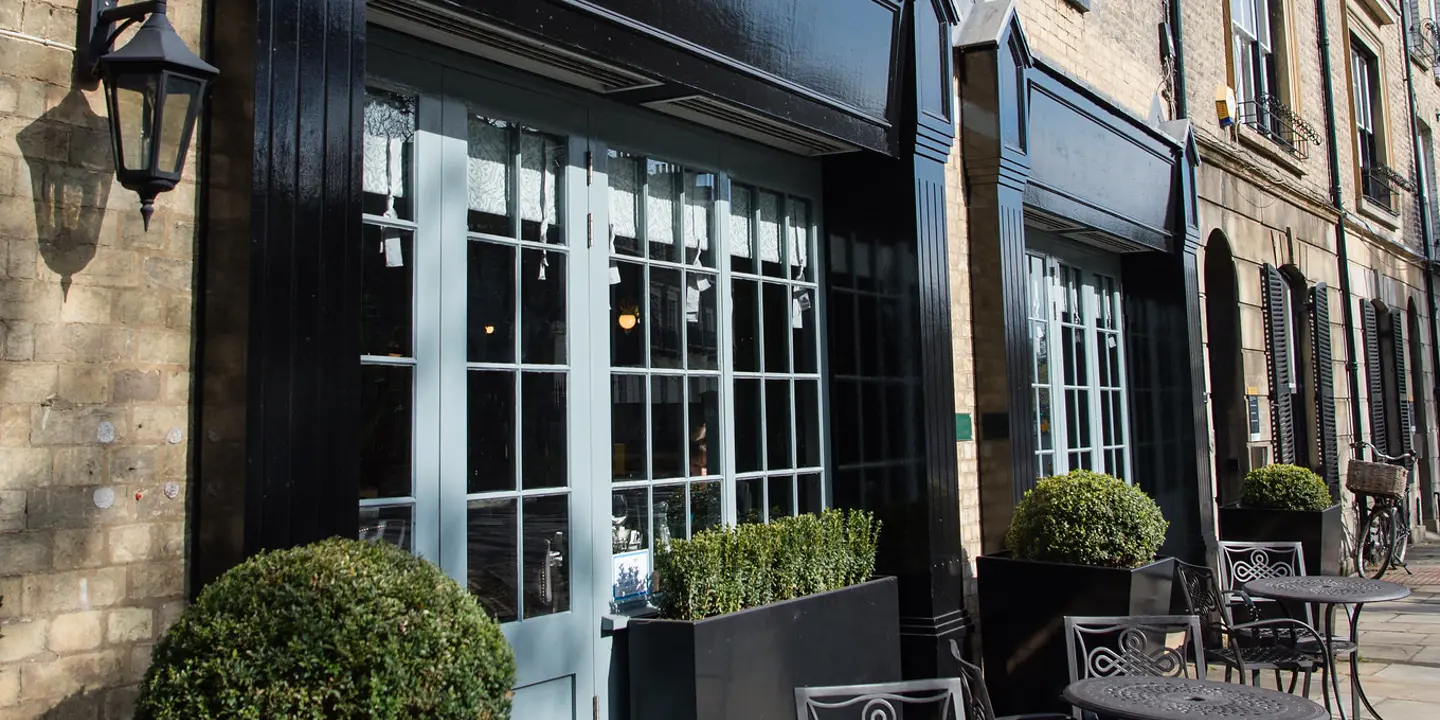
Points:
[(1370, 328), (1325, 385), (1402, 384), (1277, 346)]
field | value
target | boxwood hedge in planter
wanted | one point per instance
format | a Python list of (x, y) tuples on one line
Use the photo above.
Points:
[(729, 569), (750, 613), (1284, 487), (1288, 503), (338, 629), (1087, 518), (1080, 544)]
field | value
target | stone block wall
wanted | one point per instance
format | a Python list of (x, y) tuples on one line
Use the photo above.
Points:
[(95, 348)]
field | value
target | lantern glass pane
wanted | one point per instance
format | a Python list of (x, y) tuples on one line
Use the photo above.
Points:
[(182, 97), (134, 109)]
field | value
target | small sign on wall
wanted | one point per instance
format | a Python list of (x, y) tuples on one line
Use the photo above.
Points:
[(1252, 415)]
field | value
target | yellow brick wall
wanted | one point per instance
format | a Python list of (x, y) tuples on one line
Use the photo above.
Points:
[(1114, 47), (95, 350)]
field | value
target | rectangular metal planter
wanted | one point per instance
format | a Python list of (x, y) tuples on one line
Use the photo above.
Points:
[(1318, 532), (747, 664), (1023, 605)]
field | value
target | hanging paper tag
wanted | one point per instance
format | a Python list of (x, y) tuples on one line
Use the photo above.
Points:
[(797, 316), (692, 303), (702, 284), (614, 275), (804, 301), (394, 250)]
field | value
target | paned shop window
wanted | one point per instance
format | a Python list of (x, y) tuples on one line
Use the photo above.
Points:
[(1078, 371), (716, 412)]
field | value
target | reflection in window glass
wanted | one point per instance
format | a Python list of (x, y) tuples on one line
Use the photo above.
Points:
[(627, 323), (543, 430), (628, 427), (490, 311), (386, 418), (750, 500), (706, 433), (667, 422), (670, 513), (391, 524), (491, 556), (387, 289), (491, 440), (542, 308), (546, 562)]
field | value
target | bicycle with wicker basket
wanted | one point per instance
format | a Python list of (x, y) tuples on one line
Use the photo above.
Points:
[(1381, 514)]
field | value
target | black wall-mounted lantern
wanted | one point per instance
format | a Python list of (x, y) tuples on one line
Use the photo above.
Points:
[(154, 88)]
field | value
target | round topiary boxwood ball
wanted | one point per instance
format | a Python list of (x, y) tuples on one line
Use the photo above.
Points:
[(1284, 487), (338, 629), (1087, 518)]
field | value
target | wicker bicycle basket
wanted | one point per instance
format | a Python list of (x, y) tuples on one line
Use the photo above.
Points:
[(1372, 478)]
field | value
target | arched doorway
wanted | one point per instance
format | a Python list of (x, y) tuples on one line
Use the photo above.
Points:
[(1227, 402), (1430, 503)]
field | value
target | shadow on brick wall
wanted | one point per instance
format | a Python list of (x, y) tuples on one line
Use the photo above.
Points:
[(67, 150), (72, 169), (94, 705)]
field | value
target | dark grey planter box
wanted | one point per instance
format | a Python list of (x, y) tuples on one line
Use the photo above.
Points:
[(747, 664), (1023, 605), (1318, 532)]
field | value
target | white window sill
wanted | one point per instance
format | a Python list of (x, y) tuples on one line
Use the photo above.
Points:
[(1381, 12), (1379, 213), (1270, 150)]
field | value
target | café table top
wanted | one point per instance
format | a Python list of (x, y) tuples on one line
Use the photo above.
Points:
[(1140, 697), (1327, 589)]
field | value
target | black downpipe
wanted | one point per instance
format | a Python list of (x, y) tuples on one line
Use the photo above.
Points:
[(1337, 199), (1177, 31), (1426, 228)]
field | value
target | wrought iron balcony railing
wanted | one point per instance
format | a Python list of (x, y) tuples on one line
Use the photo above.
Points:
[(1270, 117), (1425, 42), (1380, 183)]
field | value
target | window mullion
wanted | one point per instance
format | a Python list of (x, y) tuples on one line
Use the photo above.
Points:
[(1059, 403), (720, 224)]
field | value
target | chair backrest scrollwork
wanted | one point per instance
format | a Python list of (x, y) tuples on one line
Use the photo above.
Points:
[(1160, 646), (1242, 562), (942, 697)]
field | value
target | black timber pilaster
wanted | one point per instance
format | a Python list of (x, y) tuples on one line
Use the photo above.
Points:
[(931, 618), (303, 377), (1204, 537)]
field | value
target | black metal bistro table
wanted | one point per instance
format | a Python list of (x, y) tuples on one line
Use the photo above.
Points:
[(1142, 697), (1332, 591)]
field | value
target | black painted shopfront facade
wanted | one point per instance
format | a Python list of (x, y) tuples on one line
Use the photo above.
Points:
[(818, 129), (1087, 217)]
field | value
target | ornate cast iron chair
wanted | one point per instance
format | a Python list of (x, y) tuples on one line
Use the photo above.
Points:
[(977, 697), (1250, 646), (941, 698), (960, 698), (1241, 562), (1108, 646)]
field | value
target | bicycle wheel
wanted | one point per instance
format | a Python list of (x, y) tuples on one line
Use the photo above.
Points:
[(1402, 536), (1372, 557)]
